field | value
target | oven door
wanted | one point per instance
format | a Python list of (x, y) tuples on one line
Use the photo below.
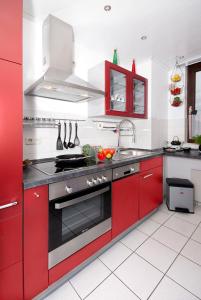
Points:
[(76, 220)]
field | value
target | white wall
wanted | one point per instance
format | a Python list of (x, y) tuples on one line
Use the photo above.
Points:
[(159, 105)]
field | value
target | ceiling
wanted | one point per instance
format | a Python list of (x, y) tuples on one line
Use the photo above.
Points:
[(172, 27)]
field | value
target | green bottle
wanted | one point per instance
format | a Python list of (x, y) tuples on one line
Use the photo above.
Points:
[(115, 58)]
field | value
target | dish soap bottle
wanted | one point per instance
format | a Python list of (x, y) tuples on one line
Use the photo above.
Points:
[(115, 58)]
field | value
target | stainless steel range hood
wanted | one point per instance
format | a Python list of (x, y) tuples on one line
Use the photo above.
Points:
[(58, 81)]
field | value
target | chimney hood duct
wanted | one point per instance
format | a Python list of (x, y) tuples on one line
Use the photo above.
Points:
[(58, 81)]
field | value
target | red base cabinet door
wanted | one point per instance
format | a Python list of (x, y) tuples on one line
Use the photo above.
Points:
[(151, 190), (35, 241), (11, 282), (125, 201)]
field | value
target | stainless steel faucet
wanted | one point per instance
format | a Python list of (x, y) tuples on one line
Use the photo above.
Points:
[(125, 122)]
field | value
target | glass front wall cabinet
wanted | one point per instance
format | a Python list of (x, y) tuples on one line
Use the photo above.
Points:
[(126, 93), (117, 90), (139, 96)]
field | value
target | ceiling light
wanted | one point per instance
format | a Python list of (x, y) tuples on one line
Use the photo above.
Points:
[(143, 37), (107, 7)]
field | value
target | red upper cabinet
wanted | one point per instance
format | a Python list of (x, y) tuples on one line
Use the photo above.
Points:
[(116, 90), (11, 30), (139, 96), (125, 92), (10, 132)]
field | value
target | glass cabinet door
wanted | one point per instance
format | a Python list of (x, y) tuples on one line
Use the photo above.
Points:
[(117, 90), (139, 96)]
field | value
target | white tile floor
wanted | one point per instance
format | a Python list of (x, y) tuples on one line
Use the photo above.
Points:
[(159, 260)]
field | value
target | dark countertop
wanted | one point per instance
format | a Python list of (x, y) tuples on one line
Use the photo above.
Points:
[(34, 178), (193, 154)]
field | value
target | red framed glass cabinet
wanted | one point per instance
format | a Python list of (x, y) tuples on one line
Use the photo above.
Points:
[(126, 93)]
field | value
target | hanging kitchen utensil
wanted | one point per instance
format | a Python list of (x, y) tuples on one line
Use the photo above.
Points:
[(70, 144), (76, 140), (65, 143), (59, 145)]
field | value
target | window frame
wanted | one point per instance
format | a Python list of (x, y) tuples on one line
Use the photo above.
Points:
[(191, 86)]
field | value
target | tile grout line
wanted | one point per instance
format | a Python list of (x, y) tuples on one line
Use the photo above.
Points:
[(112, 272), (172, 264), (97, 286), (74, 289)]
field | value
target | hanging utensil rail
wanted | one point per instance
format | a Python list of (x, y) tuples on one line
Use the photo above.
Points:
[(40, 122)]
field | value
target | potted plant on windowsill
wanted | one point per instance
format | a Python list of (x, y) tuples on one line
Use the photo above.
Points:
[(197, 140)]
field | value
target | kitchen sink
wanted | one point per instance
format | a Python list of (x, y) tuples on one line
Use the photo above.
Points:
[(129, 153)]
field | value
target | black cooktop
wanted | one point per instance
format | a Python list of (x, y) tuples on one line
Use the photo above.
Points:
[(51, 168)]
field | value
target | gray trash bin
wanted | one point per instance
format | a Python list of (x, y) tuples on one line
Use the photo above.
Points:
[(180, 195)]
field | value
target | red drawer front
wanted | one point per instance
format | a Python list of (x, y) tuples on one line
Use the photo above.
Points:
[(74, 260), (151, 163), (10, 236), (11, 283)]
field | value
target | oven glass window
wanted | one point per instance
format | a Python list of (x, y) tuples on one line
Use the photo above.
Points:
[(84, 211)]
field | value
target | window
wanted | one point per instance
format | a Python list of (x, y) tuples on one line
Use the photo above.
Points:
[(194, 100)]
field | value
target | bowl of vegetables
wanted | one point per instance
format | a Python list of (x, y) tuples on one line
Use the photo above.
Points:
[(105, 154)]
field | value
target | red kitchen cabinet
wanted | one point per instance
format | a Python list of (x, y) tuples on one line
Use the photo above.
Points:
[(35, 241), (80, 256), (11, 282), (126, 93), (10, 132), (139, 96), (11, 31), (11, 178), (116, 90), (125, 201), (151, 190)]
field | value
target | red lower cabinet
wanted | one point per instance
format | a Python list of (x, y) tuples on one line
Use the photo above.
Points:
[(151, 190), (80, 256), (35, 241), (125, 201), (11, 282), (11, 253)]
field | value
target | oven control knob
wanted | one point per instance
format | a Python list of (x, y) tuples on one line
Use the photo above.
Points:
[(68, 189), (95, 181), (104, 178), (90, 183), (132, 169), (100, 180)]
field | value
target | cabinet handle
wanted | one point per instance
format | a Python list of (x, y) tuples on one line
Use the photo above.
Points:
[(149, 175), (8, 205), (36, 195)]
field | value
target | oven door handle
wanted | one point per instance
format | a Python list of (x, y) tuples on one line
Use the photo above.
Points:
[(81, 199)]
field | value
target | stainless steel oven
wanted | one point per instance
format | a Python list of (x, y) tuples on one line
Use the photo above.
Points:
[(79, 212)]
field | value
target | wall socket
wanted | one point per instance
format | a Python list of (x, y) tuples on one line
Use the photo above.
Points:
[(32, 141)]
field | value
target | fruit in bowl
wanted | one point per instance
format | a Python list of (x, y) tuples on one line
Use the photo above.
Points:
[(105, 153)]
